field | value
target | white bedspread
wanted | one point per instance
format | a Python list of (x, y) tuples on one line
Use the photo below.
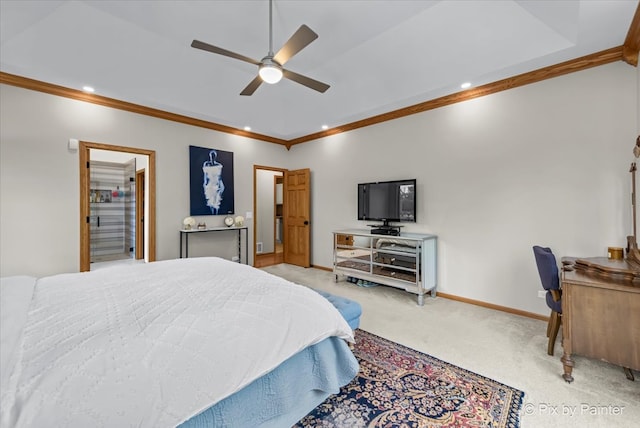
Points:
[(15, 297), (152, 345)]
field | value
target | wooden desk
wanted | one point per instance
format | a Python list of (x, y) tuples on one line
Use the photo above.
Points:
[(600, 312)]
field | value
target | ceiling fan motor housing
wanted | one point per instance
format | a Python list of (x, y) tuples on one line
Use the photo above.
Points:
[(270, 70)]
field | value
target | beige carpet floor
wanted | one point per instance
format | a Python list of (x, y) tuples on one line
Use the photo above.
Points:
[(508, 348)]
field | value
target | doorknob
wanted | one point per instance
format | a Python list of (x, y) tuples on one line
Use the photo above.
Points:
[(306, 222)]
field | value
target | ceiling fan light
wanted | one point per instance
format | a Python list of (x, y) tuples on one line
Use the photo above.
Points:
[(270, 73)]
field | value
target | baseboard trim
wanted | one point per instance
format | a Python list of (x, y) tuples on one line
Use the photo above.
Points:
[(322, 268), (474, 302), (493, 306)]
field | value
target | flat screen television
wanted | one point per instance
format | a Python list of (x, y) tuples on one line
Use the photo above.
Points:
[(387, 201)]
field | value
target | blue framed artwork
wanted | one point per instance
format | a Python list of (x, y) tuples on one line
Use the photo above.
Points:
[(211, 181)]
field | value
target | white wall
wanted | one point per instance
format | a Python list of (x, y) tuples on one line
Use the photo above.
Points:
[(542, 164), (39, 178)]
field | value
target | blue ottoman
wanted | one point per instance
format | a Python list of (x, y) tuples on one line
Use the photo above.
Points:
[(349, 309)]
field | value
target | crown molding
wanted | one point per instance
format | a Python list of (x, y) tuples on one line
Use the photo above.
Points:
[(49, 88), (632, 41), (571, 66)]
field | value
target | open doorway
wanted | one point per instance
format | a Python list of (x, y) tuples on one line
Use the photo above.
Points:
[(282, 210), (113, 202), (268, 208), (112, 225)]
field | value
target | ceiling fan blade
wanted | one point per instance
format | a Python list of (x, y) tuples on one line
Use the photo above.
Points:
[(295, 44), (252, 86), (306, 81), (210, 48)]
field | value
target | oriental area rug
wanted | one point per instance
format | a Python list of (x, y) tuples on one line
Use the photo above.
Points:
[(400, 387)]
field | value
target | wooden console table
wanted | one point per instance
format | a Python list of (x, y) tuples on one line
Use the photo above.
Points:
[(186, 233), (600, 312)]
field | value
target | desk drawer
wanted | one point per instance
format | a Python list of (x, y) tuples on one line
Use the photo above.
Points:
[(344, 239), (603, 323)]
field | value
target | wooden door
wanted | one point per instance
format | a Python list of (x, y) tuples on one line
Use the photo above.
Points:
[(297, 221)]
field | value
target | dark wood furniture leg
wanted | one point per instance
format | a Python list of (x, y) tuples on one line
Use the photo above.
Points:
[(567, 364), (628, 373)]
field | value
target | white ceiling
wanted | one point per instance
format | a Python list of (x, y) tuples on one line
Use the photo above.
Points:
[(377, 55)]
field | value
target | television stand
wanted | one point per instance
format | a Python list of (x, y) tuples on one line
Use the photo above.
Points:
[(407, 261)]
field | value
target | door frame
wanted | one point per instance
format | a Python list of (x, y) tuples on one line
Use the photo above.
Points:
[(256, 261), (85, 186)]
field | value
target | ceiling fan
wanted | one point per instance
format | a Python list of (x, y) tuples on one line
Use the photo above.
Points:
[(270, 68)]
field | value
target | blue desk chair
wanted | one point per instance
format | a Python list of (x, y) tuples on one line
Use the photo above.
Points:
[(548, 270)]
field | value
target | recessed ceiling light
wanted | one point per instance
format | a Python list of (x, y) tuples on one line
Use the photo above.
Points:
[(325, 127), (247, 128), (88, 89), (465, 85)]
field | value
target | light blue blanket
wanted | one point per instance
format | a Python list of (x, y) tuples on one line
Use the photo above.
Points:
[(286, 394)]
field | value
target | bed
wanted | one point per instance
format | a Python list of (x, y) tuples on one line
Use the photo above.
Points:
[(198, 342)]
